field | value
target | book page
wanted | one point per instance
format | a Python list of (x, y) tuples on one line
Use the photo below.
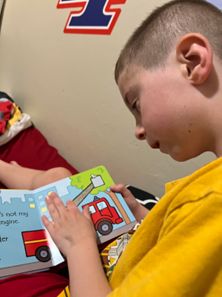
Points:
[(21, 233)]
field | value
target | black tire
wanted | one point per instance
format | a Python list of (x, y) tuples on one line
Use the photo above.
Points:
[(105, 227), (43, 254)]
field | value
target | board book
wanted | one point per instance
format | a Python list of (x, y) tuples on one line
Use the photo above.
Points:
[(26, 246)]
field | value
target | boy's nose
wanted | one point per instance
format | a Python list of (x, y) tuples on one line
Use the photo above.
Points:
[(140, 132)]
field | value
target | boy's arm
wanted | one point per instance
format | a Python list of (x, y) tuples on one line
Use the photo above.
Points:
[(75, 236), (86, 274)]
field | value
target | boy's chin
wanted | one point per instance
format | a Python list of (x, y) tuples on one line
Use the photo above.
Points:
[(182, 157)]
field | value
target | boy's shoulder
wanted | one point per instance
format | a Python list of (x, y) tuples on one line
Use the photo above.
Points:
[(192, 188)]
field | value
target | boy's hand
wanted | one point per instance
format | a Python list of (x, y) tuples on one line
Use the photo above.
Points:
[(69, 226), (137, 209)]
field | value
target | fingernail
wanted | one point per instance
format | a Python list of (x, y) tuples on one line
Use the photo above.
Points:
[(50, 194)]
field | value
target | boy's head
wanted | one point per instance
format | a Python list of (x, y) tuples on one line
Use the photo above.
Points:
[(150, 45), (166, 69)]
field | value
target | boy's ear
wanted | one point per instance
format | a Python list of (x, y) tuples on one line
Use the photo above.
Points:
[(195, 56)]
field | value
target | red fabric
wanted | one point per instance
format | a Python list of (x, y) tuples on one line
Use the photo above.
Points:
[(42, 284), (30, 148)]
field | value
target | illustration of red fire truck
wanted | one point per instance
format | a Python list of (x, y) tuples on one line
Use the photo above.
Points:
[(36, 244), (103, 215)]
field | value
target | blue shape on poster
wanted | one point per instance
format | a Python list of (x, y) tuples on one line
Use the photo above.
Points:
[(217, 3)]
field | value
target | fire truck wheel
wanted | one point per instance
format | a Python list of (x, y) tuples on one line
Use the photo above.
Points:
[(105, 227), (43, 254)]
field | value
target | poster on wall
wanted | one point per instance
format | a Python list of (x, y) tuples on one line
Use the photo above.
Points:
[(2, 2), (90, 16), (217, 3), (1, 6)]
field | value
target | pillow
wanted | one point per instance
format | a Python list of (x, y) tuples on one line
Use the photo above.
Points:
[(12, 119)]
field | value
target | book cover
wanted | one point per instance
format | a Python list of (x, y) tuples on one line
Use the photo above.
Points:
[(26, 246)]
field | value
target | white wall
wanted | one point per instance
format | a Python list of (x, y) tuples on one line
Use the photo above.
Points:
[(65, 82)]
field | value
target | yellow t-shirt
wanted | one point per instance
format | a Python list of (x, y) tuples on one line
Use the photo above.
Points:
[(177, 250)]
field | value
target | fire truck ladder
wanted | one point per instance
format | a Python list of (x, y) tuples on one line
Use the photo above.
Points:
[(96, 181)]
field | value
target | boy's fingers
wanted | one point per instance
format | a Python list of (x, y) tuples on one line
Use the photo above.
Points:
[(45, 220), (117, 187), (73, 208), (58, 203), (126, 193), (48, 224), (123, 190), (52, 206), (70, 204)]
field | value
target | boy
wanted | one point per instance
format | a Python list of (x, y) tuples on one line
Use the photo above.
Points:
[(169, 74)]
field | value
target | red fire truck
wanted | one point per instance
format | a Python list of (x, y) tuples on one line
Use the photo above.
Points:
[(36, 244), (103, 215)]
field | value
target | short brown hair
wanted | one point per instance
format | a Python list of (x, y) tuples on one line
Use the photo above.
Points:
[(151, 43)]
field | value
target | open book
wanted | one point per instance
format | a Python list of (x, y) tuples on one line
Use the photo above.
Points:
[(25, 245)]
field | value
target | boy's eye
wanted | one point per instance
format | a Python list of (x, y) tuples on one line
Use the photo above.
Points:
[(136, 105)]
